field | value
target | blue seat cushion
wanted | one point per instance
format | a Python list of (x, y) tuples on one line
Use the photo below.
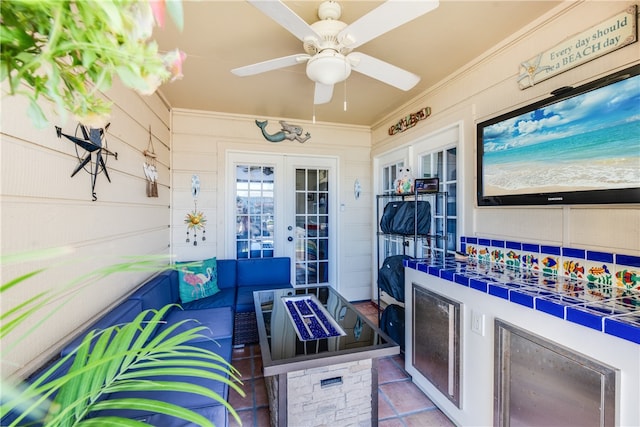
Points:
[(222, 347), (123, 313), (244, 298), (226, 274), (264, 272), (217, 414), (158, 291), (225, 298), (218, 320)]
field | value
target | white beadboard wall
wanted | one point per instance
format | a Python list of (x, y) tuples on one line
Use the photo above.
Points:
[(200, 143), (487, 87), (43, 207)]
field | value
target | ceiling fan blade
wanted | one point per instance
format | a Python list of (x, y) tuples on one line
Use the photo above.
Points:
[(383, 71), (271, 64), (384, 18), (323, 93), (286, 17)]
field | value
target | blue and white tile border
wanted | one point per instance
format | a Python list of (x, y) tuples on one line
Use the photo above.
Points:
[(594, 289)]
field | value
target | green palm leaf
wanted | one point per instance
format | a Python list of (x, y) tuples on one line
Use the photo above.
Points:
[(121, 358)]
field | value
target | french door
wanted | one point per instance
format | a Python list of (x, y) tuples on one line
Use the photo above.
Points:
[(284, 206)]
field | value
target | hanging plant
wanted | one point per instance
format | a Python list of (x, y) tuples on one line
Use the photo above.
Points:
[(68, 51)]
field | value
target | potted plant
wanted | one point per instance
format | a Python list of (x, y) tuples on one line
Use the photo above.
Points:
[(68, 51)]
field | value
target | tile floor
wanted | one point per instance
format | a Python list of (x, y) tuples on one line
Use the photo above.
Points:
[(400, 402)]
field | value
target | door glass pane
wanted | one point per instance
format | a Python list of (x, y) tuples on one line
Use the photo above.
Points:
[(442, 164), (312, 226), (451, 164), (426, 167), (390, 173), (254, 211)]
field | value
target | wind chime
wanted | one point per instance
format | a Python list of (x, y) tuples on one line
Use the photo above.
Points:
[(150, 169), (195, 220)]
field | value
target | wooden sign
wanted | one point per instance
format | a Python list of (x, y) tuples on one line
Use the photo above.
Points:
[(611, 34), (409, 121)]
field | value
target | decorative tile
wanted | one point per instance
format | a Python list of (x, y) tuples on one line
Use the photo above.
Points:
[(470, 246), (484, 250), (513, 254), (550, 259), (598, 292), (596, 304), (530, 256), (627, 272), (498, 252), (573, 263)]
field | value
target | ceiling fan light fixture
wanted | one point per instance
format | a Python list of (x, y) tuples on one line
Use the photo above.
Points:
[(328, 67)]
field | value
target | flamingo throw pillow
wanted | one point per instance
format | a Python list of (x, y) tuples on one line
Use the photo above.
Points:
[(198, 279)]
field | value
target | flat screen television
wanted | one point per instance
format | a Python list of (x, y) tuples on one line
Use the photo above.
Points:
[(580, 146)]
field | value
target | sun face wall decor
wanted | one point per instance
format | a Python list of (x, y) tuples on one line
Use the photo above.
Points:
[(195, 220)]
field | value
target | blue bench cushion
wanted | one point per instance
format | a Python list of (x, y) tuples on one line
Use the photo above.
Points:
[(227, 274), (244, 299), (159, 291), (218, 320), (217, 414), (121, 314), (222, 347), (225, 298), (273, 272)]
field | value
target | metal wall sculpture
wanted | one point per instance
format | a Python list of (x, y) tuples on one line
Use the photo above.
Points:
[(290, 132), (90, 141), (195, 220)]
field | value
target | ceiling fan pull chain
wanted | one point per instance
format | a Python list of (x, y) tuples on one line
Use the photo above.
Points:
[(345, 86)]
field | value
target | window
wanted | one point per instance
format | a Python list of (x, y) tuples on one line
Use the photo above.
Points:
[(442, 165), (254, 211)]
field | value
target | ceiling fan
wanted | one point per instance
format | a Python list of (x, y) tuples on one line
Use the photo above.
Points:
[(328, 43)]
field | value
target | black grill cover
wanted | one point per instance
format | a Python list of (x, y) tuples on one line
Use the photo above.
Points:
[(391, 276)]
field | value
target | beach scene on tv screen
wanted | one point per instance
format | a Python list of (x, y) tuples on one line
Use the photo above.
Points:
[(587, 142)]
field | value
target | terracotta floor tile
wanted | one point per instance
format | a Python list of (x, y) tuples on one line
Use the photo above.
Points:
[(394, 422), (241, 352), (405, 396), (245, 368), (389, 371), (384, 409), (257, 366), (246, 417), (263, 417), (428, 418), (400, 402), (238, 402), (260, 391), (399, 359)]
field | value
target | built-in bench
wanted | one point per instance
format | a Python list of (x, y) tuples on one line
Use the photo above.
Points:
[(188, 286)]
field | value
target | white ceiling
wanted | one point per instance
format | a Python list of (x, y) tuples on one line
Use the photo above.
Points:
[(221, 35)]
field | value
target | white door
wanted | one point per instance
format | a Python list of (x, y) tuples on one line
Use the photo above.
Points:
[(284, 206)]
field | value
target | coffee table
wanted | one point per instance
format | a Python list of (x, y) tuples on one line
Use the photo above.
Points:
[(311, 381)]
